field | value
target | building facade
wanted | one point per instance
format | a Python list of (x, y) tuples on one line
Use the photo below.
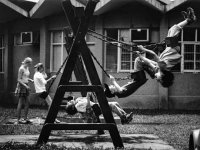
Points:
[(37, 32)]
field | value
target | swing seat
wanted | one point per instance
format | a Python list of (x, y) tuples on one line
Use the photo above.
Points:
[(108, 92)]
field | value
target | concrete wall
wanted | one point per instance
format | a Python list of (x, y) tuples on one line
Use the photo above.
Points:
[(185, 93), (131, 16)]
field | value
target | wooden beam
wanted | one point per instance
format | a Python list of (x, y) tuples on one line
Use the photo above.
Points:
[(156, 4), (15, 7), (174, 4), (36, 7), (78, 126)]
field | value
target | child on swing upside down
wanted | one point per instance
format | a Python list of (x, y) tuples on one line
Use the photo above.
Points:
[(159, 67)]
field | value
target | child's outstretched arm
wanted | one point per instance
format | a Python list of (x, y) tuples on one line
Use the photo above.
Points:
[(53, 77), (141, 48), (150, 63), (30, 80), (88, 100)]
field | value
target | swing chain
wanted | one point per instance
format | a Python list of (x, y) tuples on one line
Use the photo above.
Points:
[(154, 46), (118, 79)]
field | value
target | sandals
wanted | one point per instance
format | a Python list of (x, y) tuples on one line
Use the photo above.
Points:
[(23, 121), (189, 15)]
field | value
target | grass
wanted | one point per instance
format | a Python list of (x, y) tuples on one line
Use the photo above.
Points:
[(11, 145), (173, 127)]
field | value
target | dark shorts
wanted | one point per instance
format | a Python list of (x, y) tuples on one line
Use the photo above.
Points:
[(97, 110), (131, 87), (43, 95)]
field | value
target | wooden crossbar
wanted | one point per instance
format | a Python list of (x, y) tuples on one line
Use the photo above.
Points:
[(78, 126), (78, 88)]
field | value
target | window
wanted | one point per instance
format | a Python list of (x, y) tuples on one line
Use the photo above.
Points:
[(26, 37), (127, 58), (58, 51), (139, 35), (190, 50), (191, 58), (119, 58), (1, 54)]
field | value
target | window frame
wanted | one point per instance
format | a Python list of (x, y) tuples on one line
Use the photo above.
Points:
[(119, 52), (147, 32), (31, 36), (105, 47), (2, 50), (62, 44), (194, 43), (120, 61)]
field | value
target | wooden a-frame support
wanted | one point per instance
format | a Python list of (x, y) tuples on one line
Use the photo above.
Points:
[(79, 70), (80, 48)]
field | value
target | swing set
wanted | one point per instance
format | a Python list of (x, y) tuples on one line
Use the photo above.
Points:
[(80, 61), (78, 48)]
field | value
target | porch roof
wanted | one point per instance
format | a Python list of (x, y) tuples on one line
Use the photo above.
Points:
[(45, 8), (10, 11), (41, 9), (175, 4), (49, 7), (106, 5)]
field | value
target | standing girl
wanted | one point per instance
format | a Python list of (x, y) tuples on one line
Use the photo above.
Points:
[(23, 90)]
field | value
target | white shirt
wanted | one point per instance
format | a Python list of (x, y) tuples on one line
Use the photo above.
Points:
[(171, 56), (81, 104), (39, 82)]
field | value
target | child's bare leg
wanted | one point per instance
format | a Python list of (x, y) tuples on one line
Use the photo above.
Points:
[(138, 65), (183, 23), (19, 107), (49, 101), (120, 112), (26, 107), (189, 18)]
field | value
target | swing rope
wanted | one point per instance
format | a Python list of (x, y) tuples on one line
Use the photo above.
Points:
[(125, 78), (133, 51), (115, 44), (107, 37), (121, 42), (100, 65), (57, 73)]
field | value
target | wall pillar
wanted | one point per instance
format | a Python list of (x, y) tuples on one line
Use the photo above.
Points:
[(8, 61), (44, 46), (99, 49), (163, 92)]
